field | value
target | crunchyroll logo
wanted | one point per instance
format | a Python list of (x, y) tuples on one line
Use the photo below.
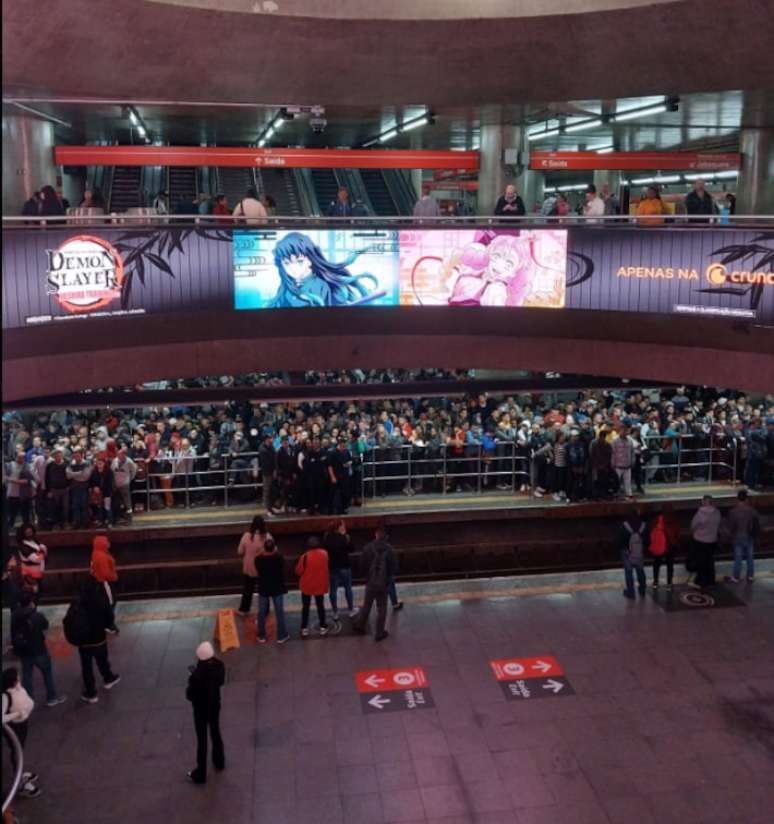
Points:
[(718, 275)]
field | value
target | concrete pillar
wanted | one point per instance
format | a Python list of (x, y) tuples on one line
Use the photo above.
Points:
[(755, 190), (416, 174), (28, 159), (494, 175)]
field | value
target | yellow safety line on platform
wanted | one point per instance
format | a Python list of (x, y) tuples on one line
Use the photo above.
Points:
[(511, 592), (425, 505)]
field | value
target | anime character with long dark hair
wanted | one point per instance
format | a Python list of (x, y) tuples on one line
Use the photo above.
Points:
[(308, 278)]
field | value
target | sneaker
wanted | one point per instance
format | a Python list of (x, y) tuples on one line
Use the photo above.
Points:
[(731, 579), (324, 630), (90, 699), (29, 777), (305, 633), (537, 493), (381, 637), (261, 640), (192, 778), (655, 585), (283, 640), (114, 630), (29, 790), (557, 497), (335, 615), (398, 606), (55, 702), (110, 684), (242, 613), (693, 585), (353, 613)]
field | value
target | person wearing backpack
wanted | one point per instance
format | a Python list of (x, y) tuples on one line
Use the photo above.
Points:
[(17, 708), (32, 559), (633, 540), (378, 562), (312, 570), (203, 691), (85, 625), (28, 627), (664, 542)]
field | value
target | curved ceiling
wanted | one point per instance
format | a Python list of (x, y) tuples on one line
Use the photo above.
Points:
[(166, 52), (713, 351), (410, 9)]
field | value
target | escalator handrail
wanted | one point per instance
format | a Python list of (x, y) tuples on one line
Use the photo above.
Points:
[(17, 748)]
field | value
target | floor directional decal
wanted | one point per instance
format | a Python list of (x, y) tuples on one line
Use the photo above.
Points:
[(540, 677), (393, 690)]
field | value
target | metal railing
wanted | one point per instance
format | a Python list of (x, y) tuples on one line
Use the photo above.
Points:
[(18, 755), (146, 216), (411, 469)]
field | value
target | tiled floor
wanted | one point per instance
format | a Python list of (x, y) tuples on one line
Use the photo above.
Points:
[(672, 720)]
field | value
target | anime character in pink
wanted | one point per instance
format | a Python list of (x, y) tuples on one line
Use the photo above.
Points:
[(497, 274)]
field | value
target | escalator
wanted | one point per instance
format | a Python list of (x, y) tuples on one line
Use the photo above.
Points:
[(378, 193), (325, 185), (233, 183), (126, 188), (281, 186), (182, 185)]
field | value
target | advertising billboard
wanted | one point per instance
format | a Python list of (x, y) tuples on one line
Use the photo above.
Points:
[(57, 275), (290, 269)]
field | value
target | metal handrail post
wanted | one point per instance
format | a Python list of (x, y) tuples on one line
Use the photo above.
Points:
[(148, 485), (19, 753), (225, 481), (187, 496), (478, 465), (679, 455), (444, 481), (408, 478), (736, 453), (513, 467), (711, 450)]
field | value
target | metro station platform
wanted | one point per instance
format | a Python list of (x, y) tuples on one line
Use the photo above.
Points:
[(659, 710)]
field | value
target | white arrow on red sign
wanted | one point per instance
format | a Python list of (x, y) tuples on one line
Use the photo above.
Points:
[(542, 666), (373, 681), (379, 702), (554, 686)]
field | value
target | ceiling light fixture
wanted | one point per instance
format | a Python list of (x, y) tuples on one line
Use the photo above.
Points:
[(603, 149), (667, 179), (544, 134), (643, 181), (389, 135), (586, 124)]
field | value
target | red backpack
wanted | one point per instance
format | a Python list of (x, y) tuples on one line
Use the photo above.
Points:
[(658, 538)]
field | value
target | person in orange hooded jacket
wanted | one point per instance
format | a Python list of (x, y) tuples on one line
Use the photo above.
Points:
[(312, 569), (103, 569)]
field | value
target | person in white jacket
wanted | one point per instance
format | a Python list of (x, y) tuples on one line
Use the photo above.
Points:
[(17, 708), (705, 526), (124, 470)]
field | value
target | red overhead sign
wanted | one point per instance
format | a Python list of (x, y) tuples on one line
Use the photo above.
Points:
[(633, 161), (268, 158)]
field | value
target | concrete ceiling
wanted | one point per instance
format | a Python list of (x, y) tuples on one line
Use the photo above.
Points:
[(177, 53)]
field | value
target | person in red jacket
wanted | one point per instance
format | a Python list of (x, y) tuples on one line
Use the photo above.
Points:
[(103, 568), (312, 570), (664, 543)]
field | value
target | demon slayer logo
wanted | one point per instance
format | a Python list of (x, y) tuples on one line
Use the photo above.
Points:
[(85, 273)]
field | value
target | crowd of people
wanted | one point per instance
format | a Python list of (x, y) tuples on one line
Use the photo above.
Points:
[(79, 468)]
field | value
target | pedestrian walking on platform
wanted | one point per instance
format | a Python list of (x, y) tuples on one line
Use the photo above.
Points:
[(250, 547), (204, 683), (705, 527), (633, 540), (28, 628), (85, 625), (744, 526), (378, 565), (17, 708), (103, 568), (312, 570), (664, 543), (271, 587)]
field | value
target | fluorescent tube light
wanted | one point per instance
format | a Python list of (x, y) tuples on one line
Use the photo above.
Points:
[(541, 135), (633, 114), (423, 121), (579, 127), (388, 135)]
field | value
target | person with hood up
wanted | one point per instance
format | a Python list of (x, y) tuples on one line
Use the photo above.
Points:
[(378, 562), (203, 691), (103, 568)]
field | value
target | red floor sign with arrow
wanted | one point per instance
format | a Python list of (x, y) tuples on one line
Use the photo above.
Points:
[(540, 677), (393, 690)]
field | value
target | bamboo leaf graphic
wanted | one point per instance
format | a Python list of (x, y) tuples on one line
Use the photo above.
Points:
[(160, 263), (724, 290), (139, 268), (126, 290)]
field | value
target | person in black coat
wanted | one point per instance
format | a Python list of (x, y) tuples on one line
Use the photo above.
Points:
[(510, 204), (93, 648), (204, 684)]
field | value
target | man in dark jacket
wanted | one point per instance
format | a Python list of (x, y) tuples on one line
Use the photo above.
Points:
[(378, 564), (93, 648), (267, 461), (699, 201), (510, 204), (204, 684), (28, 627)]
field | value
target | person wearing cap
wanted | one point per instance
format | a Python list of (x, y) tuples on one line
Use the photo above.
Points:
[(204, 683)]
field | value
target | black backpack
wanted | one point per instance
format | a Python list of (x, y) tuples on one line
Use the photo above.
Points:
[(76, 624), (21, 635)]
